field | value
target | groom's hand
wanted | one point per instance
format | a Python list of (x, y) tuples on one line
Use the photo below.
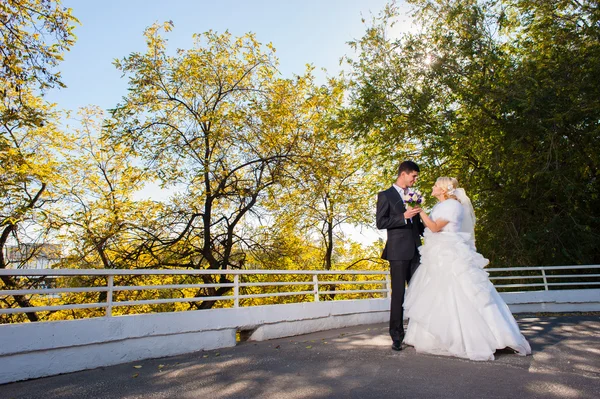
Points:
[(411, 212)]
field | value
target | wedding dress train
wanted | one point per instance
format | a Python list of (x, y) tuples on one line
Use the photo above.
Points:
[(453, 308)]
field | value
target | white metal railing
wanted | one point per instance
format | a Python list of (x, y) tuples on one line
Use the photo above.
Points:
[(317, 285), (584, 279)]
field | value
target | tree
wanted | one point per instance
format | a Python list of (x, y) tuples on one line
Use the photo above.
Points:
[(33, 36), (330, 187), (489, 91), (216, 124), (29, 174), (104, 223)]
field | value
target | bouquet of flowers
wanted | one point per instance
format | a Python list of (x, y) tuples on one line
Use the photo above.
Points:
[(413, 199)]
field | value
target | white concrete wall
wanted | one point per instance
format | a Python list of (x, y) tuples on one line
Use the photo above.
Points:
[(32, 350)]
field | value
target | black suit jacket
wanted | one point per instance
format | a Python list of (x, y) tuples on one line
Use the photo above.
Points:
[(403, 236)]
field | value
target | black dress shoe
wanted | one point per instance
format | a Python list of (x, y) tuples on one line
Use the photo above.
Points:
[(397, 345)]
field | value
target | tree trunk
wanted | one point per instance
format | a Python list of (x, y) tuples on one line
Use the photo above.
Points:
[(328, 257)]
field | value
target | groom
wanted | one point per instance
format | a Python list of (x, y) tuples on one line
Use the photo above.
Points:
[(404, 228)]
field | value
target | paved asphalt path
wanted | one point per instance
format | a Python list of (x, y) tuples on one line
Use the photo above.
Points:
[(354, 362)]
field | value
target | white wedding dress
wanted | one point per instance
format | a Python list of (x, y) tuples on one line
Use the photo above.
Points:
[(453, 308)]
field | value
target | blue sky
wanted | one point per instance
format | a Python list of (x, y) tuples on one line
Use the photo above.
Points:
[(302, 31)]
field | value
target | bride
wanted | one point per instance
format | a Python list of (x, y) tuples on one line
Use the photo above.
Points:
[(452, 306)]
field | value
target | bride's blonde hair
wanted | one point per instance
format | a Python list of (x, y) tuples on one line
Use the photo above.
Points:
[(448, 186)]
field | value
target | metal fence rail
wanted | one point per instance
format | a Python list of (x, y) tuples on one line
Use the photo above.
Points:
[(321, 283), (316, 287), (542, 273)]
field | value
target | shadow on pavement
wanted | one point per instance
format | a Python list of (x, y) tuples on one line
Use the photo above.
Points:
[(354, 362)]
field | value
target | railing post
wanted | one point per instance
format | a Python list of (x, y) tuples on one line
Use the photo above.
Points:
[(109, 295), (236, 291), (316, 286), (545, 279)]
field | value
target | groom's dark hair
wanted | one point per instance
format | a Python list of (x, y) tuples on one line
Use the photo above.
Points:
[(407, 167)]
